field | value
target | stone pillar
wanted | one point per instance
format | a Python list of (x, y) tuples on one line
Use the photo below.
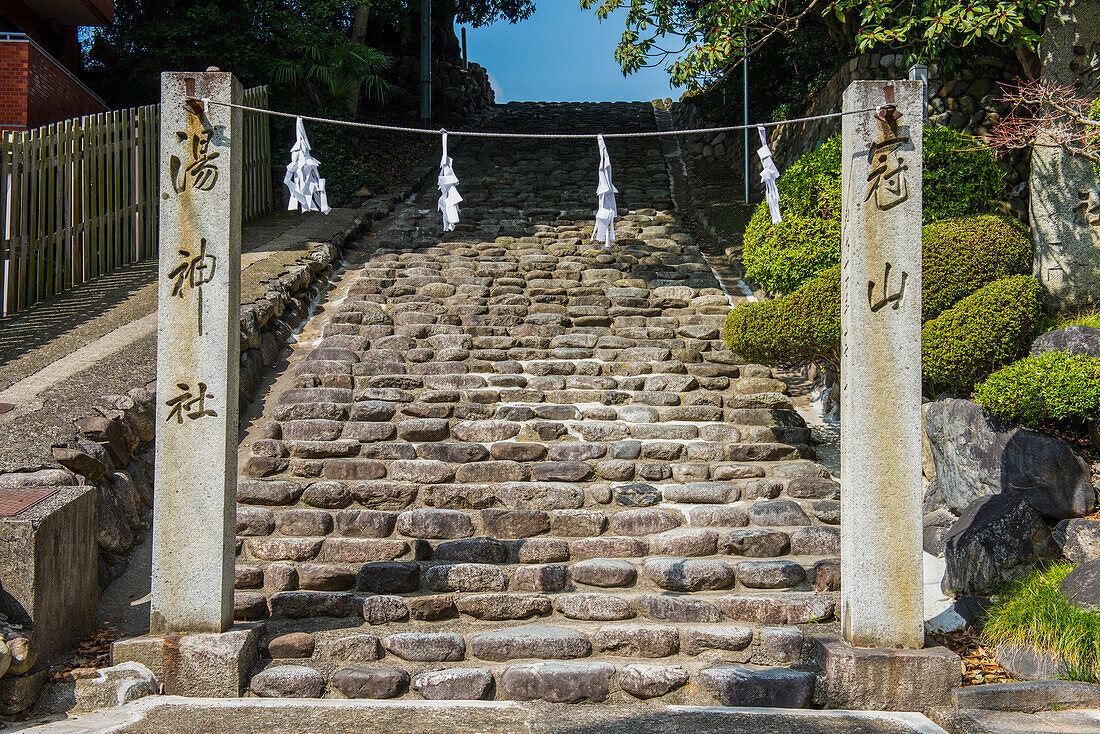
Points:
[(198, 355), (1065, 190), (881, 595)]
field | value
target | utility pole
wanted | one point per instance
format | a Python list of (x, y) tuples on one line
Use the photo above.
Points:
[(426, 62), (745, 105)]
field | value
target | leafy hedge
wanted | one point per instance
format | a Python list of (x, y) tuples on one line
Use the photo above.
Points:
[(961, 255), (793, 251), (981, 333), (800, 327), (960, 178), (1051, 389)]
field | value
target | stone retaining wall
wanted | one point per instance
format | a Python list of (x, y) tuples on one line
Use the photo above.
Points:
[(968, 101), (457, 90)]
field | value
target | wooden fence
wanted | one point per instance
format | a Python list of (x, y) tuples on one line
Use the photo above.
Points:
[(79, 198)]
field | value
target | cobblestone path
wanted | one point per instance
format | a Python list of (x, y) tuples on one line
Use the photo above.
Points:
[(506, 463)]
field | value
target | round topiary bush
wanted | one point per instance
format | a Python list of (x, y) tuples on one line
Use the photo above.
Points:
[(961, 175), (1051, 389), (963, 254), (800, 327), (981, 333), (793, 251), (960, 178)]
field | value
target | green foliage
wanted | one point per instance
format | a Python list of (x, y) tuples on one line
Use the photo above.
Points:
[(961, 255), (698, 41), (961, 175), (959, 179), (981, 333), (1051, 390), (793, 251), (1033, 611), (800, 327), (335, 68)]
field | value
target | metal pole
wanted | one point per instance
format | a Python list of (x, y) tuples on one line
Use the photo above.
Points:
[(745, 94), (465, 58), (426, 62)]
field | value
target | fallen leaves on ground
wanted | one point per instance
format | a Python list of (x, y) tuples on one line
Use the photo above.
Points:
[(92, 652), (979, 663)]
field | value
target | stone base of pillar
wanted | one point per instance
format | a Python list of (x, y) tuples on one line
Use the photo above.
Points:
[(206, 665), (883, 679)]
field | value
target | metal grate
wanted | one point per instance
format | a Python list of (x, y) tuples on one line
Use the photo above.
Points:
[(14, 501)]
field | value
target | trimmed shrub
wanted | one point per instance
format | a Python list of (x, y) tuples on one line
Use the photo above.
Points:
[(981, 333), (960, 178), (800, 327), (1049, 390), (793, 251), (961, 255), (961, 175)]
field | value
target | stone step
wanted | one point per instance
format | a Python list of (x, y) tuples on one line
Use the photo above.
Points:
[(392, 579), (566, 681)]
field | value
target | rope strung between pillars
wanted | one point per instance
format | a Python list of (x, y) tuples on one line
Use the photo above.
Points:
[(303, 179), (768, 176), (449, 198), (304, 182), (605, 195)]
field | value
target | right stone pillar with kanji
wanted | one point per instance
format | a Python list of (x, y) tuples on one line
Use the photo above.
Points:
[(880, 663)]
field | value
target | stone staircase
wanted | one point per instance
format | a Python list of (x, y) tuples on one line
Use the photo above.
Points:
[(508, 463)]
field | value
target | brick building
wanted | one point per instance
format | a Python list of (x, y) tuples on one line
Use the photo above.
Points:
[(40, 60)]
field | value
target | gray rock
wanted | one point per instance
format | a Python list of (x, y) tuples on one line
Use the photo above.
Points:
[(689, 574), (605, 572), (454, 684), (637, 641), (288, 681), (426, 647), (598, 607), (757, 543), (113, 686), (1082, 586), (677, 609), (384, 609), (361, 682), (999, 538), (700, 639), (558, 682), (745, 685), (1080, 539), (816, 540), (650, 681), (530, 641), (472, 550), (1076, 340), (772, 574), (429, 523), (778, 513), (465, 577), (356, 648), (936, 525), (976, 455), (637, 495)]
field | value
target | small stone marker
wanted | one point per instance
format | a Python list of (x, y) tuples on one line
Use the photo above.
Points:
[(1065, 189), (198, 355), (881, 582)]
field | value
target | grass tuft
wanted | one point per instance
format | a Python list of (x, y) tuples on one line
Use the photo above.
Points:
[(1033, 612)]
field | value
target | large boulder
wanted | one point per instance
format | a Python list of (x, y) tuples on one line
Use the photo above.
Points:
[(1074, 340), (999, 538), (1079, 538), (1082, 586), (977, 455)]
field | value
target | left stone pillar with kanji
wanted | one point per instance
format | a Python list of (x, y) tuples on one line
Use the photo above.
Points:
[(192, 647), (198, 353)]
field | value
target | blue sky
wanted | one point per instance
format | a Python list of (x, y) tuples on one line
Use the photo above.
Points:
[(561, 53)]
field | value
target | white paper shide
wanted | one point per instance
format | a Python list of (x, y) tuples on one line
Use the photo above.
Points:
[(302, 179), (449, 198), (768, 176), (605, 215)]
